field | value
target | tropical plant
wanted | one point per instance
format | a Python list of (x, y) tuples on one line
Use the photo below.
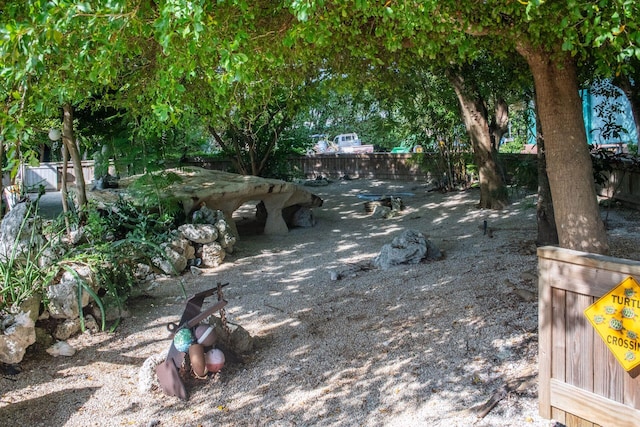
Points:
[(117, 240), (21, 274)]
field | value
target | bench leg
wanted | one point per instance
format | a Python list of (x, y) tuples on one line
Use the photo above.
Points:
[(275, 223)]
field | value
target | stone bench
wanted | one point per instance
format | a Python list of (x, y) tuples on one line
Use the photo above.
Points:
[(226, 192)]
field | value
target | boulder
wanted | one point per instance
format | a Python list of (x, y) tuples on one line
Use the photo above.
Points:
[(67, 329), (212, 254), (17, 235), (63, 294), (226, 237), (17, 332), (171, 263), (199, 233), (382, 212), (204, 215), (181, 245), (411, 247), (234, 337), (147, 378), (303, 217)]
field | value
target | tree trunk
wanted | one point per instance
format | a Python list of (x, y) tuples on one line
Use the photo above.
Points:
[(500, 123), (64, 193), (547, 231), (493, 194), (68, 139), (569, 168)]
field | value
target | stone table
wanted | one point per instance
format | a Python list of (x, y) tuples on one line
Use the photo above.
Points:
[(227, 191)]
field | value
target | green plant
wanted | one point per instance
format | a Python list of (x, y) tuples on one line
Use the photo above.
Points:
[(125, 219), (114, 264), (449, 168), (601, 159), (21, 275), (516, 145), (150, 190), (116, 240), (526, 174)]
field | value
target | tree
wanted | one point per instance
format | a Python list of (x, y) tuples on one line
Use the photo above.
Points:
[(550, 36), (556, 36), (493, 194), (60, 53), (250, 137)]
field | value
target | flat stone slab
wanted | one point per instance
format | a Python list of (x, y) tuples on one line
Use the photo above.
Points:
[(227, 191)]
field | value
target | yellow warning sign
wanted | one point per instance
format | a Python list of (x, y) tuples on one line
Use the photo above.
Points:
[(616, 317)]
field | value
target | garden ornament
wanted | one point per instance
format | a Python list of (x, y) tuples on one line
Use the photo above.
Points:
[(168, 372)]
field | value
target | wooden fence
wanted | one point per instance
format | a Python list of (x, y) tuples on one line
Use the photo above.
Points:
[(580, 381), (623, 184), (364, 165)]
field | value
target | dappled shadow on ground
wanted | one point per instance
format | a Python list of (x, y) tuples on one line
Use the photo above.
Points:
[(418, 345), (378, 348), (60, 407)]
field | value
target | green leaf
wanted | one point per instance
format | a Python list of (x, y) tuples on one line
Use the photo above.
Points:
[(84, 7)]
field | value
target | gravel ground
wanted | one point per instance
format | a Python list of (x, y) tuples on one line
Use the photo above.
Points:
[(418, 345)]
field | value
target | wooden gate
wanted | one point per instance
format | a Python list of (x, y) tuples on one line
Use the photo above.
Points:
[(581, 382)]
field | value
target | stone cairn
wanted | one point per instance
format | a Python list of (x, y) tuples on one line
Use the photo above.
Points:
[(203, 243)]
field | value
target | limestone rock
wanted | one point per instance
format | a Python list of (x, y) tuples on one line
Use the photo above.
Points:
[(17, 332), (199, 233), (143, 272), (236, 338), (91, 324), (147, 378), (303, 217), (17, 235), (224, 191), (212, 254), (241, 340), (181, 245), (382, 212), (172, 262), (204, 215), (31, 306), (61, 348), (63, 295), (43, 338), (226, 237), (67, 329), (410, 247)]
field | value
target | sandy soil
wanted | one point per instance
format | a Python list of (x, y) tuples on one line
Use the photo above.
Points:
[(419, 345)]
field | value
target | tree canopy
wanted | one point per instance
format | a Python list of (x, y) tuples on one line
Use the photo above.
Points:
[(166, 62)]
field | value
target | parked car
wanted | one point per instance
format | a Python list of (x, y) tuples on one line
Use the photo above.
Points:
[(350, 143), (343, 143)]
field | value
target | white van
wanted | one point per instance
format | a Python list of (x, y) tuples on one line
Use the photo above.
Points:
[(350, 143), (347, 140)]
